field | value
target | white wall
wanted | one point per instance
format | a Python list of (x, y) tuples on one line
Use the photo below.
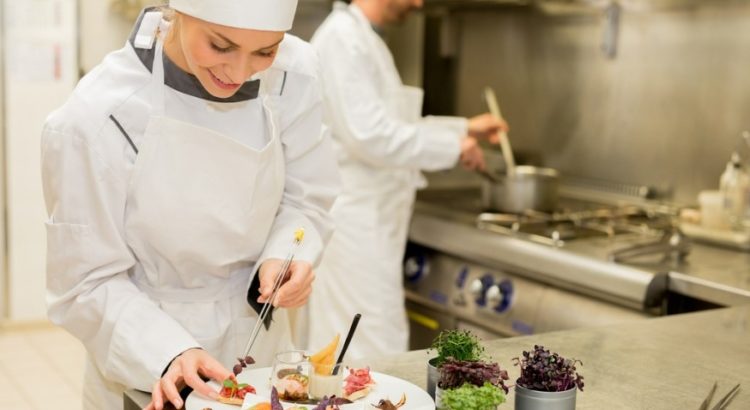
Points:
[(36, 34), (102, 29), (40, 72), (3, 270)]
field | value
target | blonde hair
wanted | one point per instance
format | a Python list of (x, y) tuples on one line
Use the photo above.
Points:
[(172, 16), (168, 12)]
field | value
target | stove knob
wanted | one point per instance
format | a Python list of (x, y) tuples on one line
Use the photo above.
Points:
[(476, 288), (505, 287), (493, 296), (415, 268), (479, 289), (462, 275)]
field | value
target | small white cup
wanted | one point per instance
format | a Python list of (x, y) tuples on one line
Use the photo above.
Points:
[(327, 385), (713, 214)]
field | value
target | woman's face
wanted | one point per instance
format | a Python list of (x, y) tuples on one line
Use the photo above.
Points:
[(221, 57)]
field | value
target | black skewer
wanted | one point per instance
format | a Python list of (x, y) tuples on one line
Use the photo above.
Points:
[(348, 340)]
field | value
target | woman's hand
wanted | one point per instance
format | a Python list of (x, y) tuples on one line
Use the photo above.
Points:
[(297, 285), (487, 126), (472, 157), (186, 370)]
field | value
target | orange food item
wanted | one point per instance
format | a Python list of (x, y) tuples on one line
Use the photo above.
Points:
[(323, 361)]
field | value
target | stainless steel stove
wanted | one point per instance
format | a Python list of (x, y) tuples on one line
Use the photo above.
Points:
[(587, 263)]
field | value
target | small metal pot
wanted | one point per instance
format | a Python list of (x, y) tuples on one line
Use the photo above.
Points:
[(529, 188), (544, 400), (433, 374)]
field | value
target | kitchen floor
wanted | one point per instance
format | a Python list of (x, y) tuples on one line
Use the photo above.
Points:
[(41, 367)]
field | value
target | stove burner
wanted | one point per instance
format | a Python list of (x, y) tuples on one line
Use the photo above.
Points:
[(673, 244), (565, 225)]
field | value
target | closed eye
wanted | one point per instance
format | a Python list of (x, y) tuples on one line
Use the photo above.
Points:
[(221, 49), (265, 54)]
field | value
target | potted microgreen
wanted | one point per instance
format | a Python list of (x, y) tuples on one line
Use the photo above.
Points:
[(475, 385), (548, 381), (456, 344)]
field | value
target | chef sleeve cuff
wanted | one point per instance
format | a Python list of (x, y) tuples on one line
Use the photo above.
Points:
[(253, 293)]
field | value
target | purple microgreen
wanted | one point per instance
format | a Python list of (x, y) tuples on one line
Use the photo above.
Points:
[(456, 373), (545, 371)]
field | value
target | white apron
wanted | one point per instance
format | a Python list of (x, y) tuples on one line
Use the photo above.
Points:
[(361, 268), (200, 206)]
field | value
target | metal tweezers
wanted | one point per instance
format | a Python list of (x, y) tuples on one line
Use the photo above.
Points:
[(723, 402), (276, 286)]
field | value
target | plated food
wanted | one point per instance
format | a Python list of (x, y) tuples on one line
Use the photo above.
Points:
[(274, 404), (385, 404), (233, 392), (324, 360), (292, 386), (315, 382), (358, 384), (388, 388)]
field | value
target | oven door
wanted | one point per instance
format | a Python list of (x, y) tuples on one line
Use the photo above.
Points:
[(425, 324)]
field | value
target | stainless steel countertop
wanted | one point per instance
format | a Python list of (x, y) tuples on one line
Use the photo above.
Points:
[(445, 220), (663, 363)]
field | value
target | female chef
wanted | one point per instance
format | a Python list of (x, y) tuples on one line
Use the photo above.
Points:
[(179, 166)]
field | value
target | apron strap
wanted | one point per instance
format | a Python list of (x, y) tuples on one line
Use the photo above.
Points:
[(157, 86)]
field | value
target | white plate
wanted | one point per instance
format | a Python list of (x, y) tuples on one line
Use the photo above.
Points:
[(386, 387)]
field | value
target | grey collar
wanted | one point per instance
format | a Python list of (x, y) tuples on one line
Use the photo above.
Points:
[(186, 83)]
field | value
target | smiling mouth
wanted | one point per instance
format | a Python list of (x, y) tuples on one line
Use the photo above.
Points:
[(222, 84)]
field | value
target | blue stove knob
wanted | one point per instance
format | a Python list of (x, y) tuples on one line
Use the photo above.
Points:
[(461, 278), (415, 268), (505, 288), (480, 287)]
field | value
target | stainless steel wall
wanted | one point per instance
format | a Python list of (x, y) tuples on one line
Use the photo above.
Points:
[(667, 111)]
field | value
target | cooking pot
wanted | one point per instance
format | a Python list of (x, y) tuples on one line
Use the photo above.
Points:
[(528, 188)]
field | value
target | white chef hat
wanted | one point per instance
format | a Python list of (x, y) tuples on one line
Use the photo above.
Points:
[(270, 15)]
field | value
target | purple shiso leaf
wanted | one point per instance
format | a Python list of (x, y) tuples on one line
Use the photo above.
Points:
[(331, 401), (322, 404), (275, 403)]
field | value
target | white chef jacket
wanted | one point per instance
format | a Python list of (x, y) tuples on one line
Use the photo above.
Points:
[(88, 153), (382, 143)]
